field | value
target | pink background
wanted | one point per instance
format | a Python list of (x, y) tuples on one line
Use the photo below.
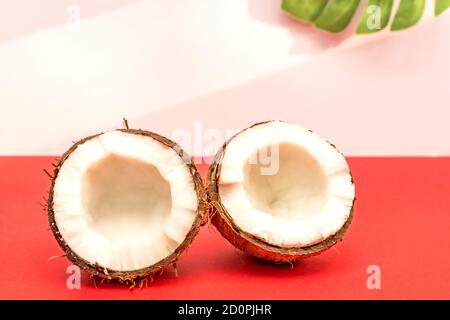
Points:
[(165, 65)]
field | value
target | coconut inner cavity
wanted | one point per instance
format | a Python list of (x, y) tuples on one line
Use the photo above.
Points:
[(125, 199), (285, 181), (285, 185)]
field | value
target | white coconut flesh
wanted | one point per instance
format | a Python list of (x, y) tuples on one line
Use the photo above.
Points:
[(285, 185), (124, 201)]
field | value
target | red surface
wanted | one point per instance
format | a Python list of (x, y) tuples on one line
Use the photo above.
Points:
[(402, 224)]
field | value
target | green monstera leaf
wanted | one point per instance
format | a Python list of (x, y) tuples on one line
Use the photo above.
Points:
[(337, 15)]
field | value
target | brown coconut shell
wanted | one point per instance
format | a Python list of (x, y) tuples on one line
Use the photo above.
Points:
[(249, 243), (144, 274)]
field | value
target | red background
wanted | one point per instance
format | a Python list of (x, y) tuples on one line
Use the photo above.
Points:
[(402, 224)]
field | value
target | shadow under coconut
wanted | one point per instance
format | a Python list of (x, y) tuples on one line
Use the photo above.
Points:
[(227, 259), (98, 283), (244, 263)]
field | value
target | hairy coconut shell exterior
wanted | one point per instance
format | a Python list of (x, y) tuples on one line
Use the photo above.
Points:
[(247, 242), (148, 272)]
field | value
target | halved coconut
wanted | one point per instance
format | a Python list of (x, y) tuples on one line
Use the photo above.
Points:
[(125, 204), (280, 192)]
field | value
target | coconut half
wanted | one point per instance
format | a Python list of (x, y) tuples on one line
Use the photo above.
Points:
[(280, 192), (125, 204)]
